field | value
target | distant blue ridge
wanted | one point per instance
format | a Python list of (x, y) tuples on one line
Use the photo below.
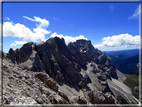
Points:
[(131, 52)]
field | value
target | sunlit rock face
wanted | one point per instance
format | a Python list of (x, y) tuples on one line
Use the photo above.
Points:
[(53, 73)]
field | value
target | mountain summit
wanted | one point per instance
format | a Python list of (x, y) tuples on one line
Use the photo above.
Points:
[(77, 73)]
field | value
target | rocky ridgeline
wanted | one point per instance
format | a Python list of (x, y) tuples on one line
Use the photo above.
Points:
[(52, 73)]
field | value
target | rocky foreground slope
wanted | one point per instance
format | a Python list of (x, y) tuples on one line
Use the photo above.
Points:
[(52, 73)]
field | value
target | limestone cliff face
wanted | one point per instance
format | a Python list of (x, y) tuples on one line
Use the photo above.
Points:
[(78, 72)]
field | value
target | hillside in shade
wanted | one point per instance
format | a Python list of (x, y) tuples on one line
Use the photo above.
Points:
[(53, 73), (126, 61)]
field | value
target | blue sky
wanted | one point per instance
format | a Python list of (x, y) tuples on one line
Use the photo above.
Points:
[(109, 26)]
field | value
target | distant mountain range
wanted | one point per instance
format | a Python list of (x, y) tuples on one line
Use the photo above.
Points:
[(129, 53), (126, 60)]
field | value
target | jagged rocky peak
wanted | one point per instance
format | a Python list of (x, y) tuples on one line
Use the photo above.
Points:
[(19, 55), (84, 52), (81, 72), (63, 62), (84, 47)]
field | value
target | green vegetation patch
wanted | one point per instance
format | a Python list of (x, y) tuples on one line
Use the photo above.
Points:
[(132, 81), (121, 100)]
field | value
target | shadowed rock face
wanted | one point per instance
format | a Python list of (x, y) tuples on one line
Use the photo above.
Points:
[(83, 51), (78, 71)]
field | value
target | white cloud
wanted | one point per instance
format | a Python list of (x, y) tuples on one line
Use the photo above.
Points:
[(29, 18), (21, 31), (18, 43), (57, 35), (43, 23), (136, 13), (41, 30), (13, 44), (121, 40), (6, 18), (68, 38), (5, 49)]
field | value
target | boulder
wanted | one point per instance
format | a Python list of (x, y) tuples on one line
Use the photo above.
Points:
[(48, 81), (97, 97)]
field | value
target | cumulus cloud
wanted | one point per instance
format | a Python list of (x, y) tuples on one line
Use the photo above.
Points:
[(38, 33), (18, 43), (40, 30), (68, 38), (136, 13), (119, 40), (21, 31)]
